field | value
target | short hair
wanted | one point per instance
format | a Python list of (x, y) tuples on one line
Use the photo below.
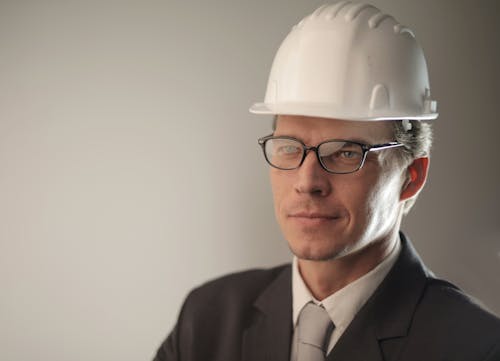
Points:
[(416, 135)]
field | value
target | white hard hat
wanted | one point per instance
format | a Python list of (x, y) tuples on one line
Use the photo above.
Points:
[(349, 61)]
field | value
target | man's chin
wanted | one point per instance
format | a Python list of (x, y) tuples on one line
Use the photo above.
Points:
[(318, 254)]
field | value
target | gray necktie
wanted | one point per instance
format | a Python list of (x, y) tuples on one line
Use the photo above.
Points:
[(314, 329)]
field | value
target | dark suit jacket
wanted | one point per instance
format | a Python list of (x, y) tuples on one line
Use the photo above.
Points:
[(412, 316)]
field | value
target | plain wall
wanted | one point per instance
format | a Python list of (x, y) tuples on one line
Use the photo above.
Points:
[(130, 170)]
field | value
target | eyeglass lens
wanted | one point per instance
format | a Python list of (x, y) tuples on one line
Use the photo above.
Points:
[(335, 156)]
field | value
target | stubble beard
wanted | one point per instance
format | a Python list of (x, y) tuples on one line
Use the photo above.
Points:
[(320, 256)]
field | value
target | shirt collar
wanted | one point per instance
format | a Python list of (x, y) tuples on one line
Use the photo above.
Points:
[(342, 305)]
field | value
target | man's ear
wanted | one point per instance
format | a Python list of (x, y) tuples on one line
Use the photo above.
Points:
[(417, 174)]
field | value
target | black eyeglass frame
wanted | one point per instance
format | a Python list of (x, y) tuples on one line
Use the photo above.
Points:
[(365, 148)]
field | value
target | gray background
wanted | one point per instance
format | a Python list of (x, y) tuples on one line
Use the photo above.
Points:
[(130, 171)]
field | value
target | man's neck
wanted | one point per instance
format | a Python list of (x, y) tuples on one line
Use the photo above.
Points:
[(323, 278)]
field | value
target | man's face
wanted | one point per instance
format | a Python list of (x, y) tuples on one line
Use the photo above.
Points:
[(325, 216)]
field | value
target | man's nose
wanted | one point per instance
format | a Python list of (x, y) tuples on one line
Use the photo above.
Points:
[(312, 178)]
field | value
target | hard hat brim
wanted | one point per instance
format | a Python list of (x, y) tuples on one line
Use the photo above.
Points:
[(328, 111)]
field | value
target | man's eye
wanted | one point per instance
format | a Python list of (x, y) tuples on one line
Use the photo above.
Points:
[(349, 154), (288, 150)]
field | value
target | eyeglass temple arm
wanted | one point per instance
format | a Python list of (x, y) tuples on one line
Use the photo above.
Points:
[(384, 146)]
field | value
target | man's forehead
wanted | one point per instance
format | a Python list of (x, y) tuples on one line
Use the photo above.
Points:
[(312, 128)]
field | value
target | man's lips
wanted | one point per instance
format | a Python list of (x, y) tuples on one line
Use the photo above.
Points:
[(313, 215), (313, 219)]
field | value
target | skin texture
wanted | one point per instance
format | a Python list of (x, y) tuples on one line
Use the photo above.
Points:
[(340, 226)]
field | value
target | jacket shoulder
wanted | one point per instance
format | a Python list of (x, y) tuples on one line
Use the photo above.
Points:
[(447, 301), (236, 287), (231, 296), (448, 319), (215, 314)]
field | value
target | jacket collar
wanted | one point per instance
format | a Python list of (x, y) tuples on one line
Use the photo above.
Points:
[(397, 297), (269, 335), (382, 323)]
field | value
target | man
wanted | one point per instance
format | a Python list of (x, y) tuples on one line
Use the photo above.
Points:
[(349, 154)]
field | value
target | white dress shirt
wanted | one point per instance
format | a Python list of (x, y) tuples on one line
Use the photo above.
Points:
[(343, 305)]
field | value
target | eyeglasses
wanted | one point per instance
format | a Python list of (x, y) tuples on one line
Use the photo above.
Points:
[(335, 156)]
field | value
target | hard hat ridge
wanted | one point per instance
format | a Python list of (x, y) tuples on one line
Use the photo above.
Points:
[(349, 61), (329, 12)]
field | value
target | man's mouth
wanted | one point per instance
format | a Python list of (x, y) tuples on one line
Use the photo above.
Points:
[(312, 215), (313, 218)]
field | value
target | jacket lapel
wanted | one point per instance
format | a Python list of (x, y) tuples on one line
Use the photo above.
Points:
[(268, 335), (378, 331)]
